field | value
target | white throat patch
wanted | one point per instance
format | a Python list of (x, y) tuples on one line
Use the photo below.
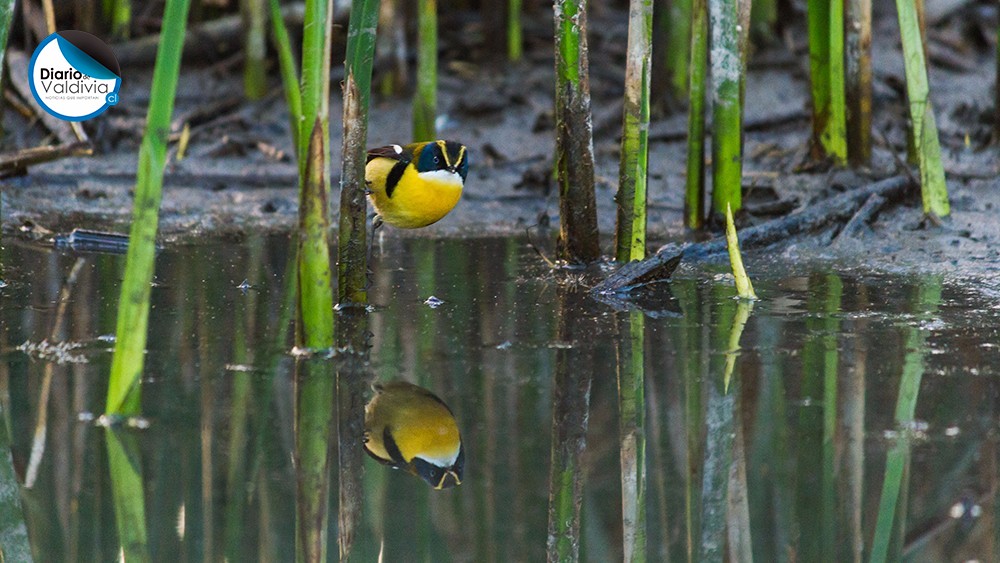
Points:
[(443, 176)]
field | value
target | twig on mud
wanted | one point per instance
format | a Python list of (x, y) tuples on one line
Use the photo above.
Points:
[(836, 209), (16, 162), (864, 216)]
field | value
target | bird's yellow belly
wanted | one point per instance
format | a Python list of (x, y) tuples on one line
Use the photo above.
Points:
[(416, 201)]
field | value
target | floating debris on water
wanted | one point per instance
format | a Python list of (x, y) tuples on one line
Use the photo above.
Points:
[(84, 240), (505, 345), (239, 367), (433, 302), (58, 353), (3, 284), (119, 421), (106, 338), (244, 286)]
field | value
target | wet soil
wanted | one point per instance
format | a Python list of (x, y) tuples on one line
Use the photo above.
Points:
[(239, 176)]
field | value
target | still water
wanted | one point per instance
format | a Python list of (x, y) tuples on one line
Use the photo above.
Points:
[(851, 417)]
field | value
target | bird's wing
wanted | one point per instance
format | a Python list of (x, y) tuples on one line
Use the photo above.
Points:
[(394, 152)]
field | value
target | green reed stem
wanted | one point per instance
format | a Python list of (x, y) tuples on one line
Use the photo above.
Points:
[(121, 18), (133, 305), (632, 433), (425, 98), (727, 105), (679, 21), (826, 75), (352, 248), (254, 15), (288, 67), (315, 312), (694, 195), (933, 188), (579, 239), (515, 41), (128, 494), (858, 80), (631, 232)]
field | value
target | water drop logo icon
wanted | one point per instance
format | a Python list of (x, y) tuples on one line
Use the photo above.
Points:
[(74, 75)]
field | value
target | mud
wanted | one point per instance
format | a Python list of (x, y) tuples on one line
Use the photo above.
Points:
[(239, 175)]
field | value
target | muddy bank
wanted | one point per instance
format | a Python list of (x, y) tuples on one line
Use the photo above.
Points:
[(239, 176)]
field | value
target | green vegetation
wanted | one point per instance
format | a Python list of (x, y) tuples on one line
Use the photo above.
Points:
[(515, 42), (826, 75), (744, 288), (631, 232), (632, 432), (425, 98), (127, 490), (254, 14), (352, 269), (133, 306), (579, 239), (694, 197), (923, 129), (727, 61), (289, 70)]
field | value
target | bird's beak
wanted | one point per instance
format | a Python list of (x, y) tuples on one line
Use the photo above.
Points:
[(453, 170), (448, 480)]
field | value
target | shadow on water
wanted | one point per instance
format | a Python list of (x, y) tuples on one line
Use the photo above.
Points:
[(700, 430)]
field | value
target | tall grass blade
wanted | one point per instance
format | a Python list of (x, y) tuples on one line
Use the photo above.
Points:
[(828, 350), (632, 432), (133, 306), (898, 458), (254, 15), (128, 494), (579, 239), (924, 135), (835, 134), (425, 98), (352, 249), (288, 67), (727, 105), (694, 194), (631, 198), (858, 79), (515, 40)]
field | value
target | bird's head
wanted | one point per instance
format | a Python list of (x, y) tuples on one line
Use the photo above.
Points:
[(447, 156), (438, 476)]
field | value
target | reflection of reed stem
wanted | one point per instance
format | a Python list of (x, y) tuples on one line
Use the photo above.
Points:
[(632, 423), (570, 410), (56, 335)]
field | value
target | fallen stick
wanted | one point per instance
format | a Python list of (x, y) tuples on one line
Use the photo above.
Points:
[(19, 160), (200, 40), (839, 208), (17, 69), (865, 215)]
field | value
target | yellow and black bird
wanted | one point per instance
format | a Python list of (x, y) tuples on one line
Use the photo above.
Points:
[(416, 185), (408, 427)]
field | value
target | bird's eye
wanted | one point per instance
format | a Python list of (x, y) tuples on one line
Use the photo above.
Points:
[(437, 160)]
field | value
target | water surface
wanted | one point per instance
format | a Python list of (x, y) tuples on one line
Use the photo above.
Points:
[(798, 454)]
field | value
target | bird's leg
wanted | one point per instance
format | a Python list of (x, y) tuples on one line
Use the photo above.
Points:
[(376, 223)]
